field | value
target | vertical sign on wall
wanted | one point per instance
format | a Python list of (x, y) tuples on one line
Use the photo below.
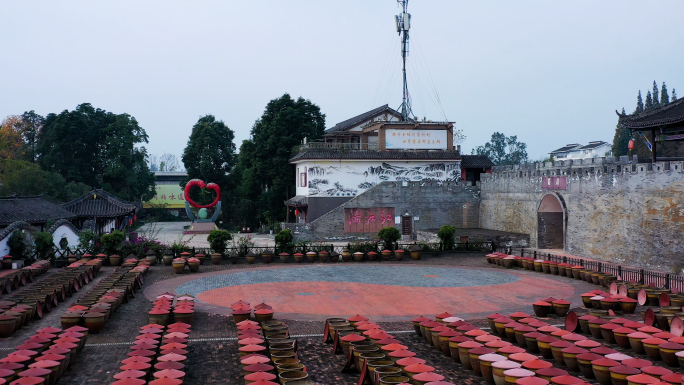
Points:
[(554, 183), (368, 220)]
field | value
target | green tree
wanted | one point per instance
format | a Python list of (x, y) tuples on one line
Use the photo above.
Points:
[(649, 102), (24, 178), (446, 236), (210, 156), (31, 124), (621, 140), (656, 102), (664, 97), (640, 104), (503, 150), (99, 149), (674, 95), (268, 178)]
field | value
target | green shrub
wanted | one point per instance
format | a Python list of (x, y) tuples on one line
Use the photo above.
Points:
[(284, 240), (44, 244), (18, 245), (363, 247), (446, 236), (112, 243), (88, 241), (389, 235), (218, 240)]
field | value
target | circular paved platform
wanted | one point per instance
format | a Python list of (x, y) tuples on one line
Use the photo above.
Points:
[(385, 292)]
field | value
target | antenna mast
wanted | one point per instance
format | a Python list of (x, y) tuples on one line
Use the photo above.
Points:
[(403, 21)]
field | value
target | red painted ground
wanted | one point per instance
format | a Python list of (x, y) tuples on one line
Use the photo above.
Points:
[(339, 298)]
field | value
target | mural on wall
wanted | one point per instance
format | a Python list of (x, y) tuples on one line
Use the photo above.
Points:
[(350, 181), (369, 220)]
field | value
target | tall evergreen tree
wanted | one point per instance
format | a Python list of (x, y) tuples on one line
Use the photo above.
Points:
[(640, 104), (674, 95), (621, 140), (649, 102), (656, 102), (664, 97)]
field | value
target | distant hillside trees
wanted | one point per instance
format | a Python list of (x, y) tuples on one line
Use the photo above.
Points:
[(503, 150)]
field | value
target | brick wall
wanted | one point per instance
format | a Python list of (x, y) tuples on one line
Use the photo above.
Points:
[(615, 210), (434, 203)]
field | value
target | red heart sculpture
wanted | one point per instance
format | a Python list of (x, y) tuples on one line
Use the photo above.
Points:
[(200, 183)]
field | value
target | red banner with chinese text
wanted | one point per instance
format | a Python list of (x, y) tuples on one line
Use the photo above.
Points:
[(368, 220)]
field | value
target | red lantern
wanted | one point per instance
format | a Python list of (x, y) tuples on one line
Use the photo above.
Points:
[(630, 145), (296, 212), (135, 218)]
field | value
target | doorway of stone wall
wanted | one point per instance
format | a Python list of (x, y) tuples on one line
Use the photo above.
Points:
[(551, 223)]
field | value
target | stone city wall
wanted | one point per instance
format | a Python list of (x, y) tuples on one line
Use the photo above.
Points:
[(614, 210)]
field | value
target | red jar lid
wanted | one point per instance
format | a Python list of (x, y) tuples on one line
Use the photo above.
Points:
[(392, 347), (408, 361), (487, 338), (531, 381), (649, 330), (551, 372), (534, 335), (674, 378), (618, 357), (459, 339), (574, 350), (129, 381), (587, 317), (498, 344), (560, 302), (130, 374), (469, 344), (642, 379), (656, 371), (492, 357), (352, 338), (518, 372), (611, 326), (255, 359), (548, 329), (524, 329), (639, 335), (597, 321), (603, 350), (541, 303), (671, 346), (44, 364), (566, 380), (624, 370), (589, 356), (506, 365), (252, 348), (402, 354), (664, 335), (573, 337), (29, 381), (169, 373), (522, 357), (605, 362), (504, 320), (444, 315), (260, 376), (637, 363), (653, 341), (519, 314), (169, 365), (419, 368), (495, 316), (624, 330), (511, 349), (561, 344), (536, 364), (587, 344), (259, 368), (428, 377), (480, 351), (357, 318), (449, 333)]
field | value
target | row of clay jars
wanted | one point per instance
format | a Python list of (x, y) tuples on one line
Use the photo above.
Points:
[(384, 354), (161, 359), (578, 353), (44, 357), (18, 278)]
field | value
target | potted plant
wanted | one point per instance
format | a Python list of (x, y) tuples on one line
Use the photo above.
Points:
[(218, 240), (284, 240), (446, 236), (390, 236), (215, 258)]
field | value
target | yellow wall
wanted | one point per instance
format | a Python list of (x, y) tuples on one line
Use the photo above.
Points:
[(170, 195)]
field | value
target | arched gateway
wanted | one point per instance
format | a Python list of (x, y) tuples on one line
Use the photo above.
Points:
[(551, 222)]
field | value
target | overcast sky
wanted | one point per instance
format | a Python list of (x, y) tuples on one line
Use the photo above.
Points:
[(550, 72)]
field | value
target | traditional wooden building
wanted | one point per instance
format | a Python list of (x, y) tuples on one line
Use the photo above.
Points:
[(34, 210), (659, 125), (103, 210), (359, 153)]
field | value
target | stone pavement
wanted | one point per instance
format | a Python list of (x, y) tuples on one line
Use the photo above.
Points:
[(213, 356)]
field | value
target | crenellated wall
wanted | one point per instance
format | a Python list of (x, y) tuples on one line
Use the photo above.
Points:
[(612, 209)]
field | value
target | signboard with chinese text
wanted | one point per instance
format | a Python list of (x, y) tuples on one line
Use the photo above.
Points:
[(554, 183), (416, 139), (169, 195), (369, 220)]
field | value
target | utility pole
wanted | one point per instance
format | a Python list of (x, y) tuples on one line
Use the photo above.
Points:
[(403, 21)]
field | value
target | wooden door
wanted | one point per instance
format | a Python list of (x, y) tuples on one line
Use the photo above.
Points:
[(406, 226)]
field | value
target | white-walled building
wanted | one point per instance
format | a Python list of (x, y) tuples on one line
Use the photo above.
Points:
[(596, 149)]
